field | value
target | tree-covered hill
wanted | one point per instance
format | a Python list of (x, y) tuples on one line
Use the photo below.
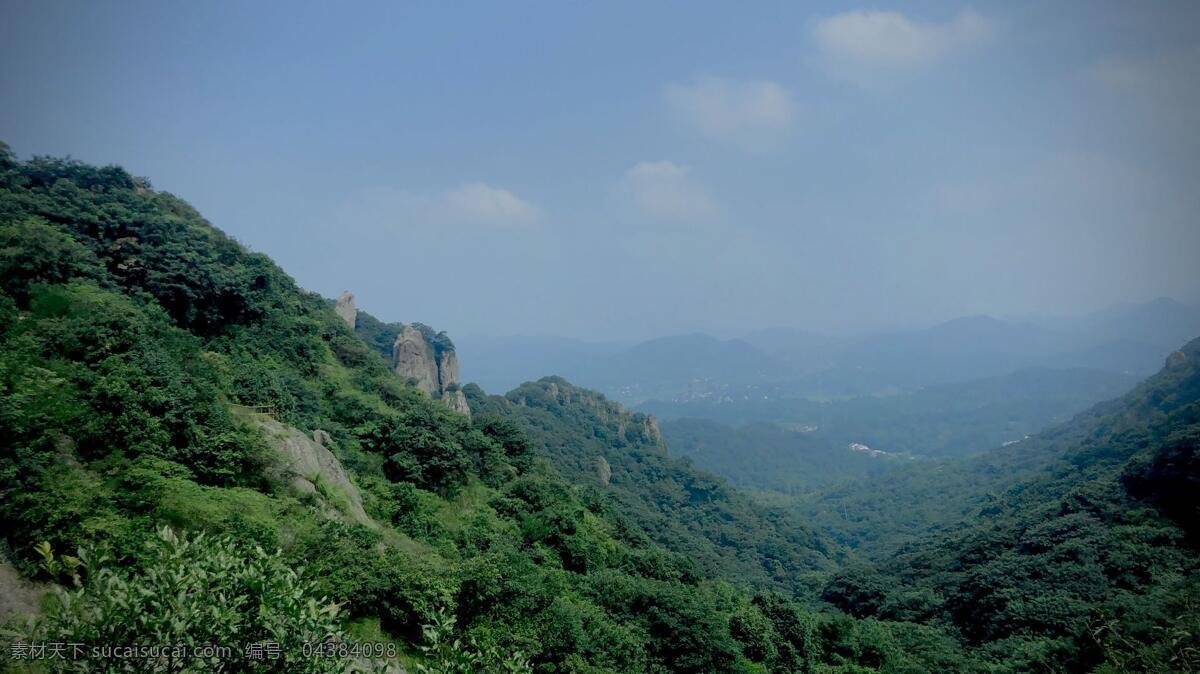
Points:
[(196, 449), (770, 458), (622, 461), (881, 513), (175, 408), (1083, 553)]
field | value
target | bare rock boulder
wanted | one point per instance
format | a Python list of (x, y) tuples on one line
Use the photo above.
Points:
[(346, 309), (603, 471), (311, 470)]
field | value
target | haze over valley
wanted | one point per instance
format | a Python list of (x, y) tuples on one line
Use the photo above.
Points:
[(599, 338)]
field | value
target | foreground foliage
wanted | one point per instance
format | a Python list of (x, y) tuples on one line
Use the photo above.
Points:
[(193, 594)]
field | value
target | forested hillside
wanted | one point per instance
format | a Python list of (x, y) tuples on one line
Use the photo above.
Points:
[(767, 458), (1089, 557), (621, 459), (154, 373), (864, 516), (197, 451)]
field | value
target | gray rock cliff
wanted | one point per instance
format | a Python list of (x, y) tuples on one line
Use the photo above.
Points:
[(457, 401), (346, 309), (447, 370), (436, 373), (414, 361)]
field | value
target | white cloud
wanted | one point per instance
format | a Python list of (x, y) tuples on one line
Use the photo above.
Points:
[(477, 202), (751, 115), (665, 190), (855, 43), (469, 204)]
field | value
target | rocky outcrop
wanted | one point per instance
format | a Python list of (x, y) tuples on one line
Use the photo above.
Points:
[(457, 401), (433, 369), (652, 430), (346, 309), (631, 427), (413, 359), (447, 370), (603, 471), (20, 599), (312, 471)]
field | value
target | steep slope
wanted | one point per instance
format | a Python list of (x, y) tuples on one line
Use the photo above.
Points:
[(154, 372), (594, 441), (417, 353), (133, 332), (863, 515), (1090, 561)]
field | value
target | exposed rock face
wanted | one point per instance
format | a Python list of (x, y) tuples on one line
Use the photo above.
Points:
[(413, 359), (312, 470), (346, 309), (652, 430), (457, 401), (603, 471), (447, 370), (416, 360)]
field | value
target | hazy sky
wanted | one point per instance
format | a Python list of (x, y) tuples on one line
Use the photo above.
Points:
[(625, 170)]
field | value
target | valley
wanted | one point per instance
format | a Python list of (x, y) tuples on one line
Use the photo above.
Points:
[(599, 338), (162, 384)]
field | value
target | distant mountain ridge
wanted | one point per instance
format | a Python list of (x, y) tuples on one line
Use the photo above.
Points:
[(626, 372), (1130, 339), (1133, 339)]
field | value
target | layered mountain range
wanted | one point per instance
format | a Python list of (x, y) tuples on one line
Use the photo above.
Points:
[(1130, 340)]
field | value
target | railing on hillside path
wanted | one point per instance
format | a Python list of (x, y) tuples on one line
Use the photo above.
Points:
[(269, 410)]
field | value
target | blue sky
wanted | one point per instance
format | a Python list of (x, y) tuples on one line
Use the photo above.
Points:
[(613, 170)]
